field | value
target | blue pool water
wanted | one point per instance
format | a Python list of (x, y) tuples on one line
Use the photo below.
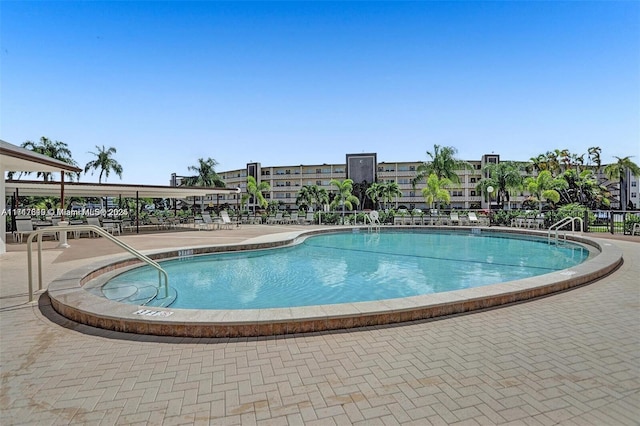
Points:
[(346, 267)]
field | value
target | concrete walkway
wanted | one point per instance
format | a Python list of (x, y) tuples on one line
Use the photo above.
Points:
[(569, 359)]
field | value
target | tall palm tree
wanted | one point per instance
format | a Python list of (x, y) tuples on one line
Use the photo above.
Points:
[(443, 164), (374, 192), (618, 172), (504, 176), (434, 191), (390, 190), (255, 190), (312, 196), (105, 162), (344, 197), (206, 174), (545, 187), (54, 149)]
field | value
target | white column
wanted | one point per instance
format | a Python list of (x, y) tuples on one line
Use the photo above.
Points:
[(3, 243)]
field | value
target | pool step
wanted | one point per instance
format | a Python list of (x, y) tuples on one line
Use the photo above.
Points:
[(163, 302)]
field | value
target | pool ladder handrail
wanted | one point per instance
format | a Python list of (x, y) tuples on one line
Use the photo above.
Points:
[(98, 230), (374, 222), (562, 222)]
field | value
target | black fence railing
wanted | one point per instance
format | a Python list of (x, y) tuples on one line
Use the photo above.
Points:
[(613, 222)]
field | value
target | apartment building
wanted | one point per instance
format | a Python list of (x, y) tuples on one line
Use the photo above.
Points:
[(286, 181)]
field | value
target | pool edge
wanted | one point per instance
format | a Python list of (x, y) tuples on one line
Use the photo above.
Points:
[(69, 299)]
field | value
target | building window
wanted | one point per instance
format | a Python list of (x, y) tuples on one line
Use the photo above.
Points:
[(634, 184), (633, 195), (472, 180), (318, 171), (473, 193)]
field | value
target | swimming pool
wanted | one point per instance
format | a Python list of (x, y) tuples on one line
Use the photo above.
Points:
[(69, 295), (345, 267)]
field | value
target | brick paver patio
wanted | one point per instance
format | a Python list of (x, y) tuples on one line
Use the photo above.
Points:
[(569, 359)]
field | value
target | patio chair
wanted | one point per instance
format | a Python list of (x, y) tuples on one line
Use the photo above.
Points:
[(473, 219), (309, 219), (111, 226), (226, 220), (24, 226), (207, 222), (275, 219), (293, 218), (454, 219)]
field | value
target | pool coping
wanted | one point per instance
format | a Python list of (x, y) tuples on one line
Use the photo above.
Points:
[(70, 299)]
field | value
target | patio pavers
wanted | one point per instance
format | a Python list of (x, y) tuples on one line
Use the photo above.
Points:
[(571, 358)]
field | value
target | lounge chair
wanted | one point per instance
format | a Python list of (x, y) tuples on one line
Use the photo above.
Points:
[(473, 219), (24, 226), (454, 219), (207, 222), (226, 220), (309, 218), (157, 222), (94, 221), (275, 219), (292, 219)]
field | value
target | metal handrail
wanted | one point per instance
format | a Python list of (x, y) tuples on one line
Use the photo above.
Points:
[(98, 230), (563, 222)]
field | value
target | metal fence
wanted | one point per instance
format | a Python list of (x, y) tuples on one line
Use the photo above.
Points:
[(614, 222)]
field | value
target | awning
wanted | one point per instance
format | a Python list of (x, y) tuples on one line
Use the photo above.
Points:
[(79, 189), (16, 159)]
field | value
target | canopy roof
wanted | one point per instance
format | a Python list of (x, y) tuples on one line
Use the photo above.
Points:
[(16, 159), (79, 189)]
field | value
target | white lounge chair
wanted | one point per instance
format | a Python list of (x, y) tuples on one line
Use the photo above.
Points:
[(275, 219), (24, 227), (309, 218), (454, 219), (207, 222), (473, 219), (226, 220)]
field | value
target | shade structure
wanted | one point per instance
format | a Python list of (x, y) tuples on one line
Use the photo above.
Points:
[(17, 159)]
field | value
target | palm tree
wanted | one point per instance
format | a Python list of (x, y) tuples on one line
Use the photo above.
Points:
[(104, 162), (305, 196), (390, 190), (312, 196), (374, 192), (255, 190), (545, 186), (443, 164), (434, 191), (504, 176), (618, 172), (54, 149), (206, 174), (344, 197)]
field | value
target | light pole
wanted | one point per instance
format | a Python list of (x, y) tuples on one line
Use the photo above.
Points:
[(489, 191)]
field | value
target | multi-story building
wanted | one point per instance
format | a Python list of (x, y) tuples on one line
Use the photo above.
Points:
[(286, 181)]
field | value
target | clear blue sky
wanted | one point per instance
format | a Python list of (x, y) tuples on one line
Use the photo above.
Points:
[(307, 82)]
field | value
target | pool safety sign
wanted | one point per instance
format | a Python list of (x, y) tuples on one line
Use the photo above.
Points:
[(148, 313)]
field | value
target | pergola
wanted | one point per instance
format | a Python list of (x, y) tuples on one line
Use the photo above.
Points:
[(14, 158)]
